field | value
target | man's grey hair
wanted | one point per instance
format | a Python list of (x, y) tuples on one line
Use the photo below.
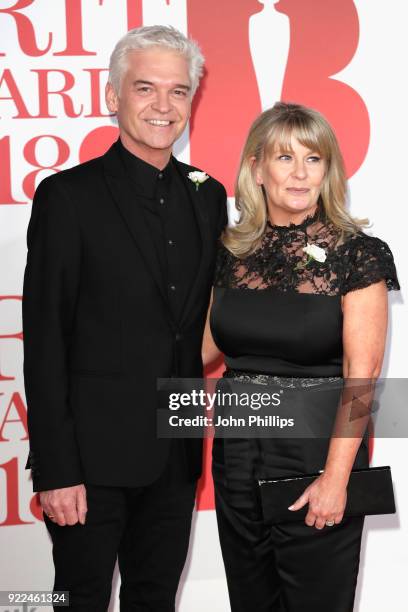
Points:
[(165, 37)]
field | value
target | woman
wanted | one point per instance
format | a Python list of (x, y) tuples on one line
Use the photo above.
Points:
[(300, 295)]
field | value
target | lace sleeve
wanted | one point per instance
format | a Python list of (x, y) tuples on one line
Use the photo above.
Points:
[(369, 261)]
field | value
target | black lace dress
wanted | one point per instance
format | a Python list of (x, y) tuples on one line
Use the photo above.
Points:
[(278, 314), (274, 313)]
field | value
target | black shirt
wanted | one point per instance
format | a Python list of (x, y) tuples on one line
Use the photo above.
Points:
[(170, 217)]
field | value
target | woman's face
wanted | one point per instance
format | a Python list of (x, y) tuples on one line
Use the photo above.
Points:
[(292, 180)]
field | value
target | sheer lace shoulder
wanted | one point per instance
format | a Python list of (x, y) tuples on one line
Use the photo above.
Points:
[(308, 258), (369, 261)]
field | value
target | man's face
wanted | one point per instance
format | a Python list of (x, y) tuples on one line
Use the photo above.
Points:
[(154, 102)]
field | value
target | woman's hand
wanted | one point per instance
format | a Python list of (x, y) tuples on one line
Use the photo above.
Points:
[(327, 497)]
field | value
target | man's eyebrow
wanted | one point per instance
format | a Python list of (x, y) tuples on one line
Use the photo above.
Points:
[(142, 82), (182, 86), (177, 86)]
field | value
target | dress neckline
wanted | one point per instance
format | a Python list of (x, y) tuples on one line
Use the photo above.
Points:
[(308, 220)]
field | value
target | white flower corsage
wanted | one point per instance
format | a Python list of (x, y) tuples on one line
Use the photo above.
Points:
[(313, 252), (198, 177)]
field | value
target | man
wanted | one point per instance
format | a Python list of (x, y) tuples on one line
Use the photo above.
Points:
[(121, 253)]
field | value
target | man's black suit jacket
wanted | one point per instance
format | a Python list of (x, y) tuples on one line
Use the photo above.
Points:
[(98, 329)]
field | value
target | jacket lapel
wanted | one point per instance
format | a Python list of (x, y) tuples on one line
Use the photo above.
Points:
[(132, 214), (200, 210)]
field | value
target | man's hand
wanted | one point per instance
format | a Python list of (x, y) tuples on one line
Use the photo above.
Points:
[(65, 506)]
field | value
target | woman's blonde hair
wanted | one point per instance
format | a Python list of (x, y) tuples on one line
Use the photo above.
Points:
[(273, 129)]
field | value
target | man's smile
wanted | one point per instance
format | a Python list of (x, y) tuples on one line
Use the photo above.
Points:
[(159, 122)]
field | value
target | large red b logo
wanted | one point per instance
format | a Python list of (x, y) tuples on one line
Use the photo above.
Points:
[(323, 39)]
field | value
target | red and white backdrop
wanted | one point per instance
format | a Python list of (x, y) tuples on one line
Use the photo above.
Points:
[(341, 57)]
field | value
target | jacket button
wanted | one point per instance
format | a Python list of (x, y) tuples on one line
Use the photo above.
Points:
[(178, 337)]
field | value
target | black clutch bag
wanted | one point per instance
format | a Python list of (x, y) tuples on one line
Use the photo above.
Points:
[(369, 491)]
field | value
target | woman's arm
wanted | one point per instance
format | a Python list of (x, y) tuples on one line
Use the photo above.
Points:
[(210, 352), (365, 314)]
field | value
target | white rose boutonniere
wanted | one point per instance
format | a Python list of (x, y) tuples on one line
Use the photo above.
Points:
[(313, 252), (198, 177)]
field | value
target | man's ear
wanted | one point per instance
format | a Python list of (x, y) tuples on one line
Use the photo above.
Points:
[(256, 170), (111, 98)]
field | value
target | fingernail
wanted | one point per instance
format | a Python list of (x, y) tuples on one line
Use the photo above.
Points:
[(291, 507)]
